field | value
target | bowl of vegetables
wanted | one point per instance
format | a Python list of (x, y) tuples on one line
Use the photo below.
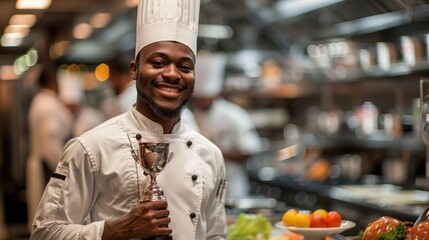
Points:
[(314, 225)]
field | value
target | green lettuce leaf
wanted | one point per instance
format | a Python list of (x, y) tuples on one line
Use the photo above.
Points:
[(249, 227)]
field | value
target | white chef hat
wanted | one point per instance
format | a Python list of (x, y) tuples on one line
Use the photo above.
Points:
[(69, 87), (209, 74), (167, 20)]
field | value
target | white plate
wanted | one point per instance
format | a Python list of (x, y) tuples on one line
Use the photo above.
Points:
[(317, 233)]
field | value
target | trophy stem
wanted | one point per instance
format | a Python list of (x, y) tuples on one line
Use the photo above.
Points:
[(152, 191)]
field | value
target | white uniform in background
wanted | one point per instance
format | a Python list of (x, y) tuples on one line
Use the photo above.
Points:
[(50, 124), (86, 118), (126, 99), (98, 163), (117, 104), (71, 93), (226, 124), (229, 126), (188, 118)]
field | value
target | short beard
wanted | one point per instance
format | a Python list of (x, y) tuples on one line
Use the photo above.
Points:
[(160, 111)]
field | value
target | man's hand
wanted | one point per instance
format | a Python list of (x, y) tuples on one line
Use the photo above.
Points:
[(143, 221)]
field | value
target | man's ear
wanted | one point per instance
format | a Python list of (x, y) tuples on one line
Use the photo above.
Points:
[(134, 69)]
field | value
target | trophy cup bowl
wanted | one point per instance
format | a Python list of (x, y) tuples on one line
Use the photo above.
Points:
[(153, 158)]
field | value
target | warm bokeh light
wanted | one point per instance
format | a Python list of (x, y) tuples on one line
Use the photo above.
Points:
[(32, 4), (102, 72), (72, 71), (100, 20), (82, 31), (89, 83), (58, 49), (17, 29), (131, 3), (7, 72), (26, 20)]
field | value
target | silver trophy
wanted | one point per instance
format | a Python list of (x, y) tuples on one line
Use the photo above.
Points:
[(153, 158)]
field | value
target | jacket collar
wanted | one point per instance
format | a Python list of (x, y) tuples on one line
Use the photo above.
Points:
[(145, 124)]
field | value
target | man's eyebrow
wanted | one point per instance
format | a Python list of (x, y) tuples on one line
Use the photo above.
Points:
[(164, 55)]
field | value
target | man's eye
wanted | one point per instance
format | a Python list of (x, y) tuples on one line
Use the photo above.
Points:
[(186, 68), (157, 63)]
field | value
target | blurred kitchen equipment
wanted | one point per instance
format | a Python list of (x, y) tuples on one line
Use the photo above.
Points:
[(424, 127), (251, 204), (386, 55), (423, 217)]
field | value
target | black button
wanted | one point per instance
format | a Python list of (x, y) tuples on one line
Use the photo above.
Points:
[(144, 173), (192, 215), (189, 143), (138, 136), (194, 177)]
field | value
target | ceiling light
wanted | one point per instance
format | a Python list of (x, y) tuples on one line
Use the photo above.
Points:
[(23, 31), (292, 8), (9, 41), (32, 4), (27, 20), (367, 24), (14, 35)]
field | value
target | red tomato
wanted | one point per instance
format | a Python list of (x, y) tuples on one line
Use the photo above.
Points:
[(317, 221), (333, 219)]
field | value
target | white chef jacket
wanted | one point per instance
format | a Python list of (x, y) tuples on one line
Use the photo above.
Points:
[(230, 126), (50, 124), (97, 179)]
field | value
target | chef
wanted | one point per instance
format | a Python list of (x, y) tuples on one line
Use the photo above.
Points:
[(50, 126), (95, 190), (225, 123)]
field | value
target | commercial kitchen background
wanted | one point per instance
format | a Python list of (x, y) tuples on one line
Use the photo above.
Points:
[(333, 86)]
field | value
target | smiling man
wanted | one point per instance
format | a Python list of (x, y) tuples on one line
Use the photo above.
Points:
[(166, 80), (95, 191)]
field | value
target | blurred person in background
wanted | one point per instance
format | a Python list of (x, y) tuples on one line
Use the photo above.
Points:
[(71, 93), (123, 88), (225, 123), (94, 192), (50, 126)]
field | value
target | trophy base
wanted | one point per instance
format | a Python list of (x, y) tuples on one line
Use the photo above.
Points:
[(152, 192)]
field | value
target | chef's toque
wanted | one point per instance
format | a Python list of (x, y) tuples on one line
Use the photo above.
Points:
[(167, 20), (70, 87), (209, 74)]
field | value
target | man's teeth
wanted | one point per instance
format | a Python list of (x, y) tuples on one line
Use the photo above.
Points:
[(167, 89)]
